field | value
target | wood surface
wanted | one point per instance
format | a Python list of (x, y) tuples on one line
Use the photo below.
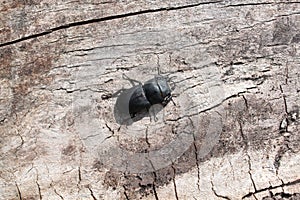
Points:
[(233, 133)]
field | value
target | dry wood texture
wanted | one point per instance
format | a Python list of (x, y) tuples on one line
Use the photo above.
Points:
[(233, 133)]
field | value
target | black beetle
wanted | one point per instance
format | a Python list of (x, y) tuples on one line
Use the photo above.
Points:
[(135, 103)]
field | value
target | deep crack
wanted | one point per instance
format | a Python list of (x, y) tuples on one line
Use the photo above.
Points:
[(19, 192), (125, 193), (272, 187), (55, 191), (174, 182), (250, 174), (155, 179), (284, 99), (39, 189), (38, 185), (92, 193), (197, 163), (107, 18), (215, 192)]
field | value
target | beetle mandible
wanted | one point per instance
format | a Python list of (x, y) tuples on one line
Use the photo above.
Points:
[(134, 103)]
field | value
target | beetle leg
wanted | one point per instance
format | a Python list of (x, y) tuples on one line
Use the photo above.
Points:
[(112, 95), (132, 81), (106, 96), (173, 101), (153, 116), (153, 112)]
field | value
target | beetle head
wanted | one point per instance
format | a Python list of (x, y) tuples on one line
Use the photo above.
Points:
[(158, 90), (165, 90)]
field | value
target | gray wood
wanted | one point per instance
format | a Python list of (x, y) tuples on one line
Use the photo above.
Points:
[(233, 134)]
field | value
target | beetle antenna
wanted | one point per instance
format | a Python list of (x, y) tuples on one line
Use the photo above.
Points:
[(171, 78), (132, 81), (172, 83)]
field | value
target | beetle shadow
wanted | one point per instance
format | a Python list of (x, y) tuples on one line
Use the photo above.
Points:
[(128, 120), (122, 113)]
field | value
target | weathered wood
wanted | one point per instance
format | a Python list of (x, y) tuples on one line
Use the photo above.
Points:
[(233, 134)]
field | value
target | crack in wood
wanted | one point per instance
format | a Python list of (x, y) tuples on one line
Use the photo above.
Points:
[(174, 182), (79, 175), (107, 18), (154, 190), (19, 192), (272, 187), (39, 190), (38, 185), (250, 174), (213, 106), (92, 193), (196, 158), (60, 196), (155, 180), (243, 135), (259, 4), (125, 193), (215, 192)]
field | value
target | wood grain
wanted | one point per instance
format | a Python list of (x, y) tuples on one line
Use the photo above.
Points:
[(233, 134)]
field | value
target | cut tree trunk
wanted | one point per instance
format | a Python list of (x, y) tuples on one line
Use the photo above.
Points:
[(233, 132)]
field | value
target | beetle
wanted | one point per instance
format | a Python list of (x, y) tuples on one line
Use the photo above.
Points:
[(136, 102)]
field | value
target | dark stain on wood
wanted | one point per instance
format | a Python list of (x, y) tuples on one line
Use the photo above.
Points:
[(69, 150)]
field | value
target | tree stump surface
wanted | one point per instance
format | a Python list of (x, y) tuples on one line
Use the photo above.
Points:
[(233, 132)]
